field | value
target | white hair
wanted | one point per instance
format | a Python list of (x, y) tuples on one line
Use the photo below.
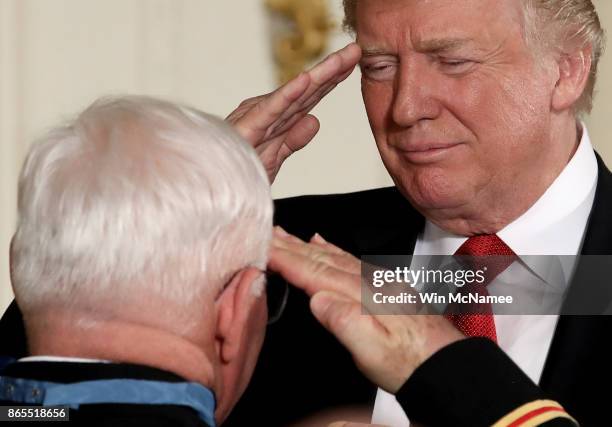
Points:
[(138, 197)]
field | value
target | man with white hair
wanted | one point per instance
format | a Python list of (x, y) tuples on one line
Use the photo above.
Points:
[(137, 263)]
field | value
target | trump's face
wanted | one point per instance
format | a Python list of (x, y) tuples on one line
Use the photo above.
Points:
[(459, 106)]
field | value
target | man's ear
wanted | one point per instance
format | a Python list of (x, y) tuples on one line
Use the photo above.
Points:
[(233, 307), (574, 72)]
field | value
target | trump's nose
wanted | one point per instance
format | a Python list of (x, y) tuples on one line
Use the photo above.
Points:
[(414, 97)]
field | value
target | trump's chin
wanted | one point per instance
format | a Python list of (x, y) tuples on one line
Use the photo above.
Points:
[(440, 195), (432, 188)]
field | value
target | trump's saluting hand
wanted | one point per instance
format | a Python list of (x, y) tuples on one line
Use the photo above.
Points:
[(278, 124)]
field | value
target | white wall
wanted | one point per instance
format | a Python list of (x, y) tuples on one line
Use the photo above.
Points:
[(56, 56)]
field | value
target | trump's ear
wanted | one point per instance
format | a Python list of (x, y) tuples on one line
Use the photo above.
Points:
[(574, 70), (233, 313)]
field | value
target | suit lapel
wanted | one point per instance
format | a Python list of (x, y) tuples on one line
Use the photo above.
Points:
[(598, 237), (388, 241), (396, 234), (578, 355)]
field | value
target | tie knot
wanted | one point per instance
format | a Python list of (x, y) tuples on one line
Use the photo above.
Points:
[(488, 253), (484, 245)]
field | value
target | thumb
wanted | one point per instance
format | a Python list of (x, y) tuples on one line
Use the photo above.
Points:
[(335, 312), (300, 134), (341, 316)]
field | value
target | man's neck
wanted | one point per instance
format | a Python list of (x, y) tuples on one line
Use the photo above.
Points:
[(118, 341)]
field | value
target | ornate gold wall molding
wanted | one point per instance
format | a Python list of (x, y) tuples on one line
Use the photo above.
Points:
[(306, 38)]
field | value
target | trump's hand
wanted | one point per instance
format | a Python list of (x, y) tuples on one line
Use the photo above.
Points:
[(278, 124), (386, 348)]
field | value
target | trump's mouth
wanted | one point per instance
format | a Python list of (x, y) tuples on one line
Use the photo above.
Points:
[(427, 152)]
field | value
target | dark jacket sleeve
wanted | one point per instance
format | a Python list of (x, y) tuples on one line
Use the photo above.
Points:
[(474, 383)]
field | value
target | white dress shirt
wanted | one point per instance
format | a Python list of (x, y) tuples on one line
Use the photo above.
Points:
[(554, 225)]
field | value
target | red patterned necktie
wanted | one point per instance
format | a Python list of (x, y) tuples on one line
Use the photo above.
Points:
[(479, 321)]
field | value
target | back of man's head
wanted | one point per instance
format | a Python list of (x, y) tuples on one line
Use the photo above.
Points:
[(139, 212), (137, 198)]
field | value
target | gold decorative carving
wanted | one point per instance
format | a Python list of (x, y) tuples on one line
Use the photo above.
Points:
[(306, 38)]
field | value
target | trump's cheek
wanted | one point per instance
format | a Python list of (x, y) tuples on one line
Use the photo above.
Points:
[(450, 182), (378, 101)]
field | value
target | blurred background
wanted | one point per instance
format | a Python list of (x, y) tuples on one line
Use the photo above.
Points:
[(57, 56)]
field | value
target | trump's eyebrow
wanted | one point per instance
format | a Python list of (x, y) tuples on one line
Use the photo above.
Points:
[(374, 51), (442, 45)]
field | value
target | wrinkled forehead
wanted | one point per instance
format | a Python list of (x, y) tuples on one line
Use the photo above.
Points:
[(401, 22)]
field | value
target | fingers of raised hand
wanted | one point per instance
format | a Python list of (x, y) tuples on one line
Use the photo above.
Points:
[(319, 240), (244, 107), (298, 109), (255, 116), (312, 269), (312, 275), (323, 78), (267, 116), (320, 250), (336, 64)]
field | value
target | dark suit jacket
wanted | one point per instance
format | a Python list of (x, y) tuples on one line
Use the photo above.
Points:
[(107, 415), (303, 369)]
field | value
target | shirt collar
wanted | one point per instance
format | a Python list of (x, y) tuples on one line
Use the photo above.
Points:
[(555, 223)]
